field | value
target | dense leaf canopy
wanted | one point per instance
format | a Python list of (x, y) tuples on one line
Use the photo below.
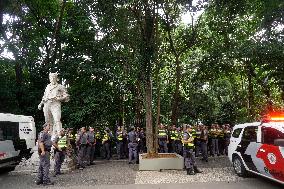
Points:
[(204, 61)]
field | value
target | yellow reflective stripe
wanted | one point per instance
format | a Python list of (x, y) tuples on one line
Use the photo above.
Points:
[(62, 142), (106, 137), (162, 133)]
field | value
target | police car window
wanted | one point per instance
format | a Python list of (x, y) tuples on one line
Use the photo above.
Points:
[(237, 132), (250, 134), (272, 136)]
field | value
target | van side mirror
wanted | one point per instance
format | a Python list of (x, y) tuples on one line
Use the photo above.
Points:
[(279, 142)]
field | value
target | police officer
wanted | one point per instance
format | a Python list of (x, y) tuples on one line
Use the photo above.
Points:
[(204, 142), (125, 142), (44, 144), (197, 141), (60, 144), (132, 146), (173, 138), (98, 145), (227, 136), (179, 141), (188, 154), (119, 142), (106, 143), (91, 146), (82, 140), (162, 139), (142, 141), (221, 139), (214, 140)]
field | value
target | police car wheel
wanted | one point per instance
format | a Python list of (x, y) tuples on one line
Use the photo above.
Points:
[(239, 166)]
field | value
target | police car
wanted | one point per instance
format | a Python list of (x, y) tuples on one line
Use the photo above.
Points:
[(259, 148)]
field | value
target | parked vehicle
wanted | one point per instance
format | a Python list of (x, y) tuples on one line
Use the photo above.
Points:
[(17, 138), (259, 148)]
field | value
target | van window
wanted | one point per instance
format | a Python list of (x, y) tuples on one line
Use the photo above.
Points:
[(10, 130), (250, 134), (237, 132), (272, 136), (1, 135)]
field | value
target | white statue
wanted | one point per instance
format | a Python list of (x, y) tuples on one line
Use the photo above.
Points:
[(54, 94)]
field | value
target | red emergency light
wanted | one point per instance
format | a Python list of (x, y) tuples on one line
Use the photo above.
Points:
[(273, 117)]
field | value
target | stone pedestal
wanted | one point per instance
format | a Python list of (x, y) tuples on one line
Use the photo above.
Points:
[(157, 164), (31, 165)]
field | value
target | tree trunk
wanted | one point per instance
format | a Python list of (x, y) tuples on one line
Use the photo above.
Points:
[(176, 93), (149, 127), (158, 111), (250, 73), (56, 35)]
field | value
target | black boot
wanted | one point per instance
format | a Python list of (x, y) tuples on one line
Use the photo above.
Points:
[(190, 172), (196, 170)]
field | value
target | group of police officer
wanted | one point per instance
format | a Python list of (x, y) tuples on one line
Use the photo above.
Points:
[(190, 141)]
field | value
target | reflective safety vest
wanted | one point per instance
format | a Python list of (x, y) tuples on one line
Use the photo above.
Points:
[(174, 135), (162, 133), (198, 134), (62, 142), (193, 132), (220, 133), (189, 145), (106, 137), (98, 135), (227, 133), (119, 136), (213, 133)]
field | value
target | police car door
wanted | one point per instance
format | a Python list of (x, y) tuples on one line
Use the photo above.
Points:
[(248, 147), (234, 141), (271, 151)]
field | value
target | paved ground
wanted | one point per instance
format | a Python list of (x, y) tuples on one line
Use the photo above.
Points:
[(217, 173)]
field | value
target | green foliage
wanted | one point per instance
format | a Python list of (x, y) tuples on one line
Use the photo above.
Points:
[(103, 59)]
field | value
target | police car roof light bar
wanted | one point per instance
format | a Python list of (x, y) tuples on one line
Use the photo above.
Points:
[(275, 116)]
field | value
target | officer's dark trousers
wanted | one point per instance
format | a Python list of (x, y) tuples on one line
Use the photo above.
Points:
[(198, 148), (215, 146), (189, 158), (163, 146), (98, 148), (125, 147), (227, 142), (43, 170), (119, 148), (132, 147), (179, 147), (90, 154), (221, 142), (204, 150), (59, 159), (173, 146), (106, 146), (82, 155)]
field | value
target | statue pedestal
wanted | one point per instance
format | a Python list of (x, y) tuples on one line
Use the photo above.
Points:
[(31, 165)]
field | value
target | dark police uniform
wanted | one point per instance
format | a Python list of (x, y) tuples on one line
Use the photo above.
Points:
[(132, 146), (82, 141), (44, 161), (173, 140), (106, 143), (119, 143), (188, 154), (162, 140), (91, 148), (59, 156)]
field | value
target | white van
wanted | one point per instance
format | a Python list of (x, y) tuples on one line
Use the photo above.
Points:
[(17, 138)]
